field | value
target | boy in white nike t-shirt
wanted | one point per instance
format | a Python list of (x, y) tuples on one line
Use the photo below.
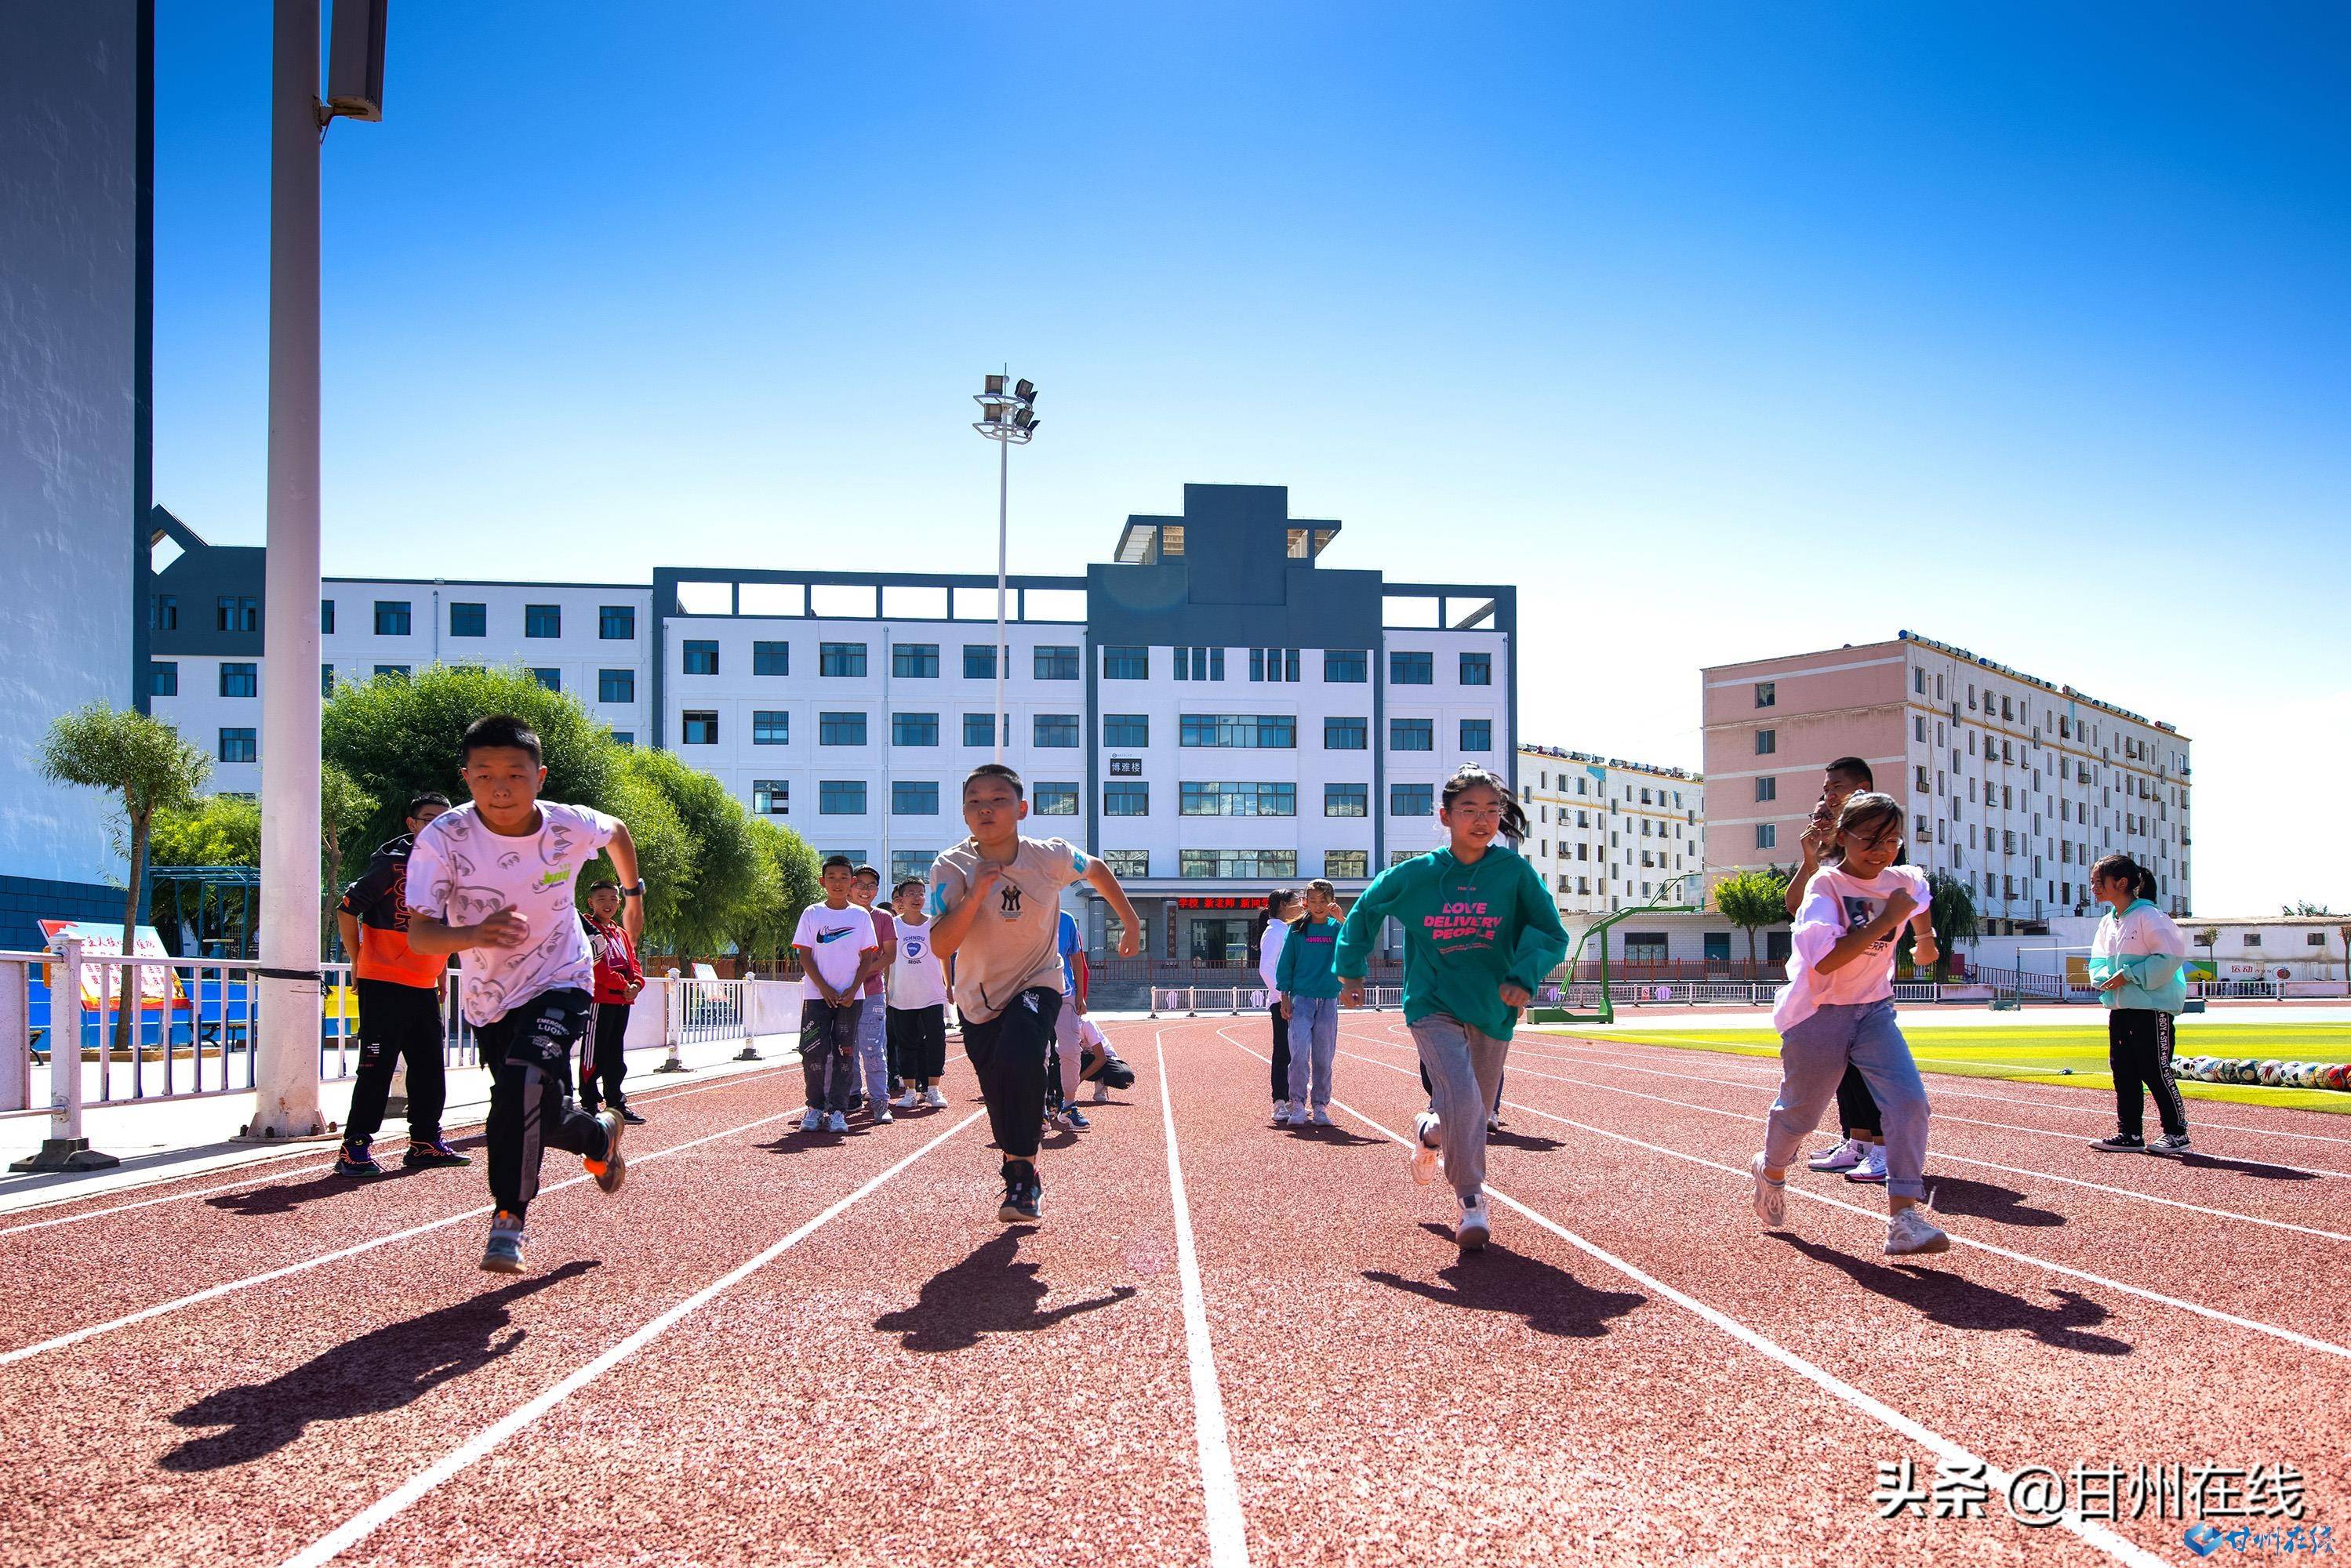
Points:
[(493, 880), (835, 939)]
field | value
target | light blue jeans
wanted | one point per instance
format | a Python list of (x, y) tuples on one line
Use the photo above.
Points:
[(874, 1053), (1313, 1048), (1813, 1057)]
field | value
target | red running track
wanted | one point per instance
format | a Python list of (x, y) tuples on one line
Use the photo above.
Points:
[(779, 1347)]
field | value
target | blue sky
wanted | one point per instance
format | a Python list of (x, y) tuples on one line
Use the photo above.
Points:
[(1722, 330)]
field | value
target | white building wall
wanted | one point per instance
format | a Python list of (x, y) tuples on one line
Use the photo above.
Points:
[(1592, 819)]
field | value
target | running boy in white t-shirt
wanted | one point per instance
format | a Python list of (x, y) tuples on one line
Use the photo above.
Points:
[(918, 1003), (996, 909), (493, 880), (836, 942)]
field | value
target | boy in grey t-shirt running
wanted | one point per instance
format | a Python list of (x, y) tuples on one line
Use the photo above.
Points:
[(995, 911)]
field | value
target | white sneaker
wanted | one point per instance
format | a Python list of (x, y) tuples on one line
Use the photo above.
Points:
[(813, 1120), (1101, 1092), (1770, 1197), (1323, 1115), (1425, 1159), (1474, 1227), (1843, 1156), (1297, 1117), (1281, 1113), (883, 1118), (836, 1123), (1872, 1167), (934, 1099), (1911, 1231), (906, 1102)]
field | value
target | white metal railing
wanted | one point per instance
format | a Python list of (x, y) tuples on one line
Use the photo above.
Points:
[(2270, 988)]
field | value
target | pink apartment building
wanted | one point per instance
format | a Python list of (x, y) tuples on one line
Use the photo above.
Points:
[(2012, 783)]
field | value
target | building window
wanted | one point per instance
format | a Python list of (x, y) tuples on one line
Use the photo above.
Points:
[(840, 659), (1199, 663), (240, 746), (1265, 731), (1056, 661), (1339, 864), (1412, 669), (1126, 729), (1053, 799), (2252, 938), (163, 678), (238, 612), (397, 672), (1477, 735), (326, 680), (1767, 742), (1125, 864), (1412, 735), (980, 729), (1346, 734), (1054, 729), (914, 729), (327, 617), (769, 659), (1236, 864), (552, 679), (465, 620), (771, 796), (617, 622), (979, 661), (391, 617), (701, 656), (1127, 663), (840, 797), (771, 727), (542, 620), (1411, 800), (911, 865), (616, 685), (240, 680), (1477, 669), (1767, 835), (915, 661), (1766, 788), (841, 729), (1346, 799), (1206, 800), (165, 614), (624, 737), (1346, 667), (1767, 694), (1126, 798), (914, 797), (702, 726), (1273, 665)]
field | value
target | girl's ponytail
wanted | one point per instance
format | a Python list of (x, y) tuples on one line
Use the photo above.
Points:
[(2122, 868), (1274, 903)]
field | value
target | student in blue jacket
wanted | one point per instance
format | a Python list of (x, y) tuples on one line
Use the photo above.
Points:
[(2137, 962)]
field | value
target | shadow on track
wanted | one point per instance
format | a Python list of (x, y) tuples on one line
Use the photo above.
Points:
[(1957, 1301), (1549, 1299), (1335, 1136), (992, 1292), (381, 1370), (1503, 1138), (1984, 1201), (285, 1197), (2254, 1168)]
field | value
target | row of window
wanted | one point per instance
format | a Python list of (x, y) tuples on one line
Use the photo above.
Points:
[(772, 726), (1061, 662), (920, 798), (396, 617), (243, 679)]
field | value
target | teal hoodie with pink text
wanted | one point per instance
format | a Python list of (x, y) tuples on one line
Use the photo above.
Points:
[(1467, 927)]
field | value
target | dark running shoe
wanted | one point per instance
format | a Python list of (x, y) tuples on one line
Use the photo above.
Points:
[(1023, 1199), (432, 1154), (2170, 1147), (613, 1169), (2121, 1144), (628, 1115), (357, 1162)]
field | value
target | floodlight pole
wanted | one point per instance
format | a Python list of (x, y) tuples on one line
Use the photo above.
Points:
[(1007, 416), (1003, 652)]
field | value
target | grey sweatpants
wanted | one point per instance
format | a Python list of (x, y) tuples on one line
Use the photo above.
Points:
[(1812, 1058), (1313, 1048), (873, 1052), (1465, 1074), (1068, 1042)]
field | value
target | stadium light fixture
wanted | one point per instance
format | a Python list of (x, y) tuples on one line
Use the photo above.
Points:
[(1008, 419)]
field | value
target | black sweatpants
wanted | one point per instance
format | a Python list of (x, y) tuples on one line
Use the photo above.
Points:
[(529, 1052), (829, 1052), (398, 1023), (603, 1063), (2138, 1049), (1856, 1108), (1280, 1055), (918, 1044), (1007, 1056)]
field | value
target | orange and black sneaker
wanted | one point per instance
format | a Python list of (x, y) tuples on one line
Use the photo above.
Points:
[(432, 1154), (614, 1167), (503, 1253), (357, 1161)]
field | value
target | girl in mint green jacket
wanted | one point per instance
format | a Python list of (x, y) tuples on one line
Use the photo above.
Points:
[(2138, 961)]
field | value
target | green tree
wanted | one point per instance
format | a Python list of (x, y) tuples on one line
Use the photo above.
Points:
[(344, 810), (1752, 899), (397, 736), (725, 876), (2305, 907), (666, 853), (211, 829), (144, 762), (1951, 907), (764, 927)]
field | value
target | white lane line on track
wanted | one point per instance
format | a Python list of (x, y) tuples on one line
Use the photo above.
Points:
[(2254, 1325), (1228, 1533), (276, 1175), (1937, 1093), (213, 1292), (1766, 1064), (2090, 1531), (368, 1520)]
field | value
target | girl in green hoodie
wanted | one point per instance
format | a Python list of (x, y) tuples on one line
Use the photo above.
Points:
[(1480, 933)]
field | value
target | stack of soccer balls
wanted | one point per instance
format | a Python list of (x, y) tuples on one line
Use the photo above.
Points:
[(2270, 1072)]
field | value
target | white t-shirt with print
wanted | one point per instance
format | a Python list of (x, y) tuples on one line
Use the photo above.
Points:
[(838, 939), (917, 978), (459, 873), (1834, 903)]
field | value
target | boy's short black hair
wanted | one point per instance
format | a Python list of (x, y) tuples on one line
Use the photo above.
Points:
[(603, 883), (865, 871), (430, 798), (906, 882), (997, 770), (1854, 768), (501, 730), (832, 861)]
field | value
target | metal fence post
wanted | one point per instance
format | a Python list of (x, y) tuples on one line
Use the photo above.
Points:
[(672, 1063), (66, 1149)]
